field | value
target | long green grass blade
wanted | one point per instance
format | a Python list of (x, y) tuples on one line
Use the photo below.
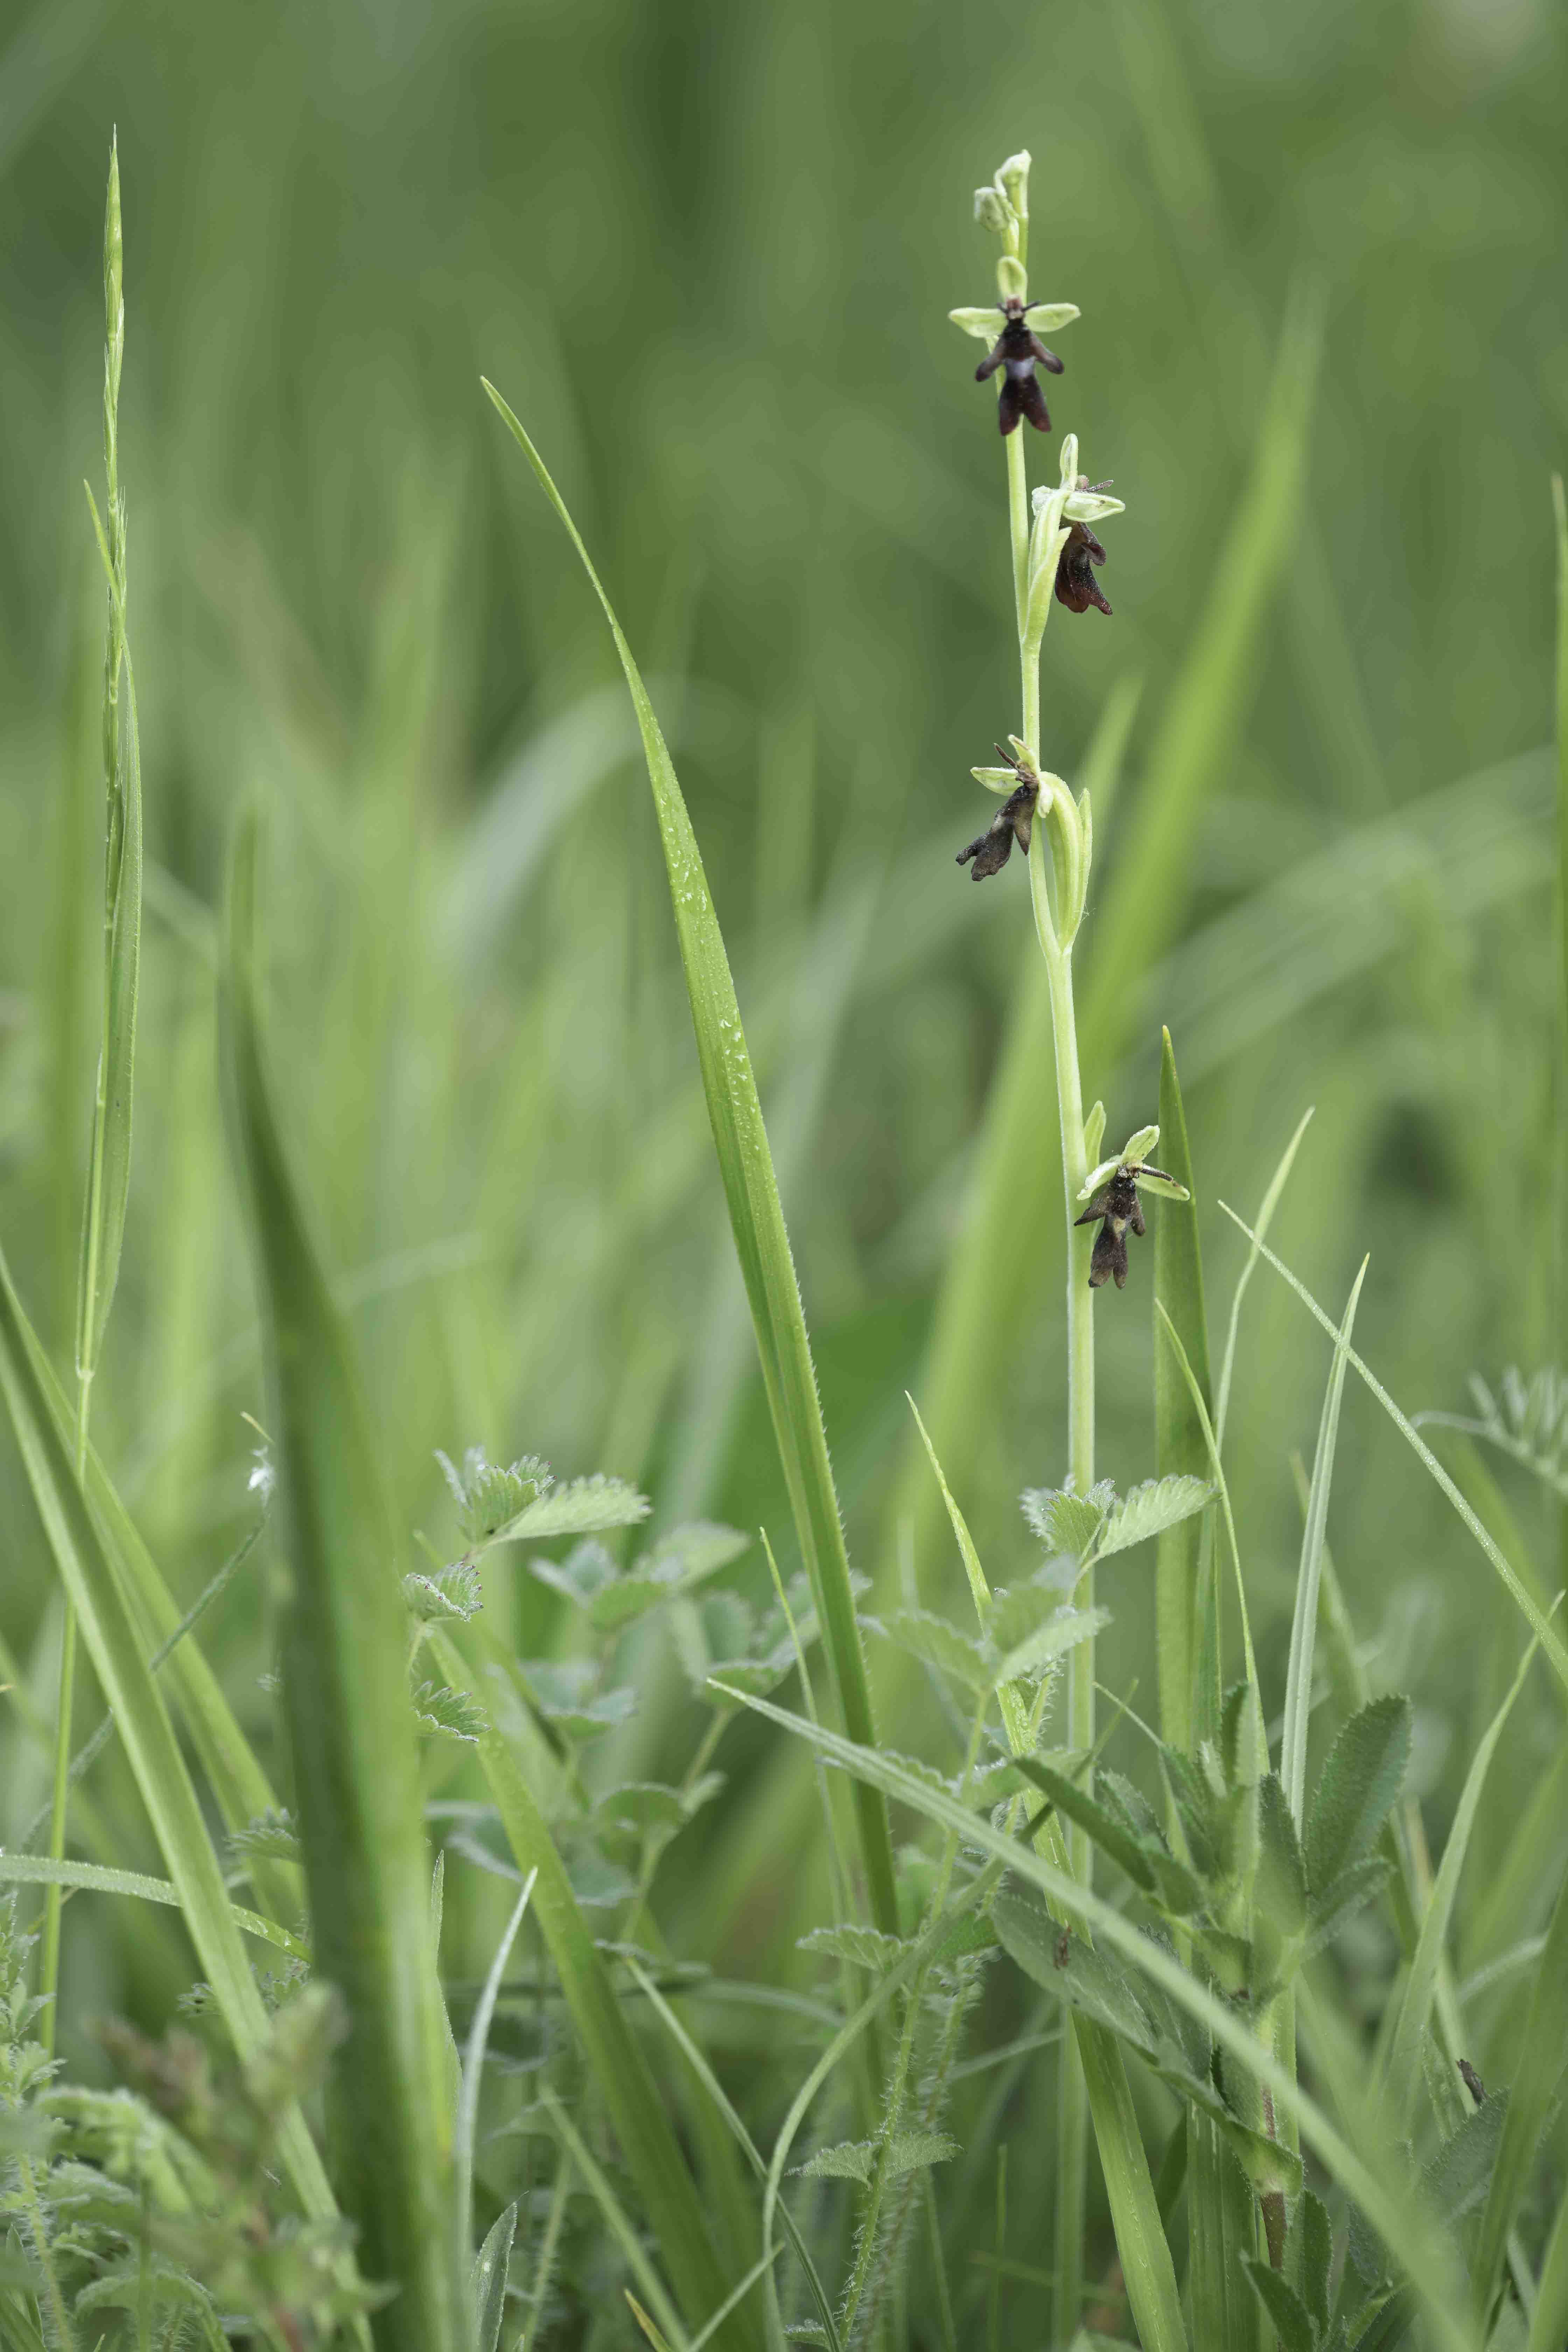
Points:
[(1220, 2206), (97, 1878), (616, 2220), (240, 1784), (1421, 1985), (1179, 1440), (356, 1768), (1549, 2320), (741, 2136), (651, 2152), (1535, 1617), (1277, 1184), (1560, 514), (1227, 1516), (1364, 2176), (1543, 2053), (150, 1748), (756, 1217), (1309, 1577), (474, 2066), (109, 1171)]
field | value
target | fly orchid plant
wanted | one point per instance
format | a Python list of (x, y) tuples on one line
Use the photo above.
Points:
[(1055, 555)]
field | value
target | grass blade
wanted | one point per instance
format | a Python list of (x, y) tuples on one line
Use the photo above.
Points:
[(1549, 2320), (1542, 2049), (474, 2066), (150, 1748), (109, 1159), (652, 2154), (488, 2283), (1416, 2008), (1304, 1626), (240, 1784), (108, 1176), (1179, 1440), (1172, 1341), (97, 1878), (1220, 2205), (355, 1763), (757, 1218), (1546, 1633), (1277, 1184), (743, 2140), (616, 2220)]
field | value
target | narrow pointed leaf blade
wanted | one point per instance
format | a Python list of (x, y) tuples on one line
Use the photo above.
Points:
[(1544, 2043), (1181, 1448), (488, 2286), (1309, 1577), (152, 1749), (108, 1179), (756, 1219), (1421, 1984), (355, 1758)]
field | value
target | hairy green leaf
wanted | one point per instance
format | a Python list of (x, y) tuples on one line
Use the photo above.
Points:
[(1288, 2314), (1149, 1509), (1359, 1781), (488, 2284)]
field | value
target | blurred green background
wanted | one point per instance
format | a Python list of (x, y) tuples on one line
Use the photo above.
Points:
[(707, 252)]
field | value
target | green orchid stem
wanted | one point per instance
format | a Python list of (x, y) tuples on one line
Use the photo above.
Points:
[(1072, 2103)]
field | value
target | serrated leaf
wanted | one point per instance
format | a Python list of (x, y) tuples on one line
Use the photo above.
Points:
[(1315, 2247), (688, 1555), (272, 1836), (564, 1692), (849, 2159), (1065, 1521), (931, 1638), (1146, 1510), (456, 1591), (1288, 2314), (488, 1493), (1458, 2178), (1061, 1632), (1358, 1784), (437, 1708), (857, 2160), (1282, 1882), (866, 1946), (1101, 1825), (640, 1805), (585, 1506), (1330, 1906), (596, 1882)]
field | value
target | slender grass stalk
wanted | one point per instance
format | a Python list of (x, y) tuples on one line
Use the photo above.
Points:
[(109, 1163), (356, 1766), (1560, 514)]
